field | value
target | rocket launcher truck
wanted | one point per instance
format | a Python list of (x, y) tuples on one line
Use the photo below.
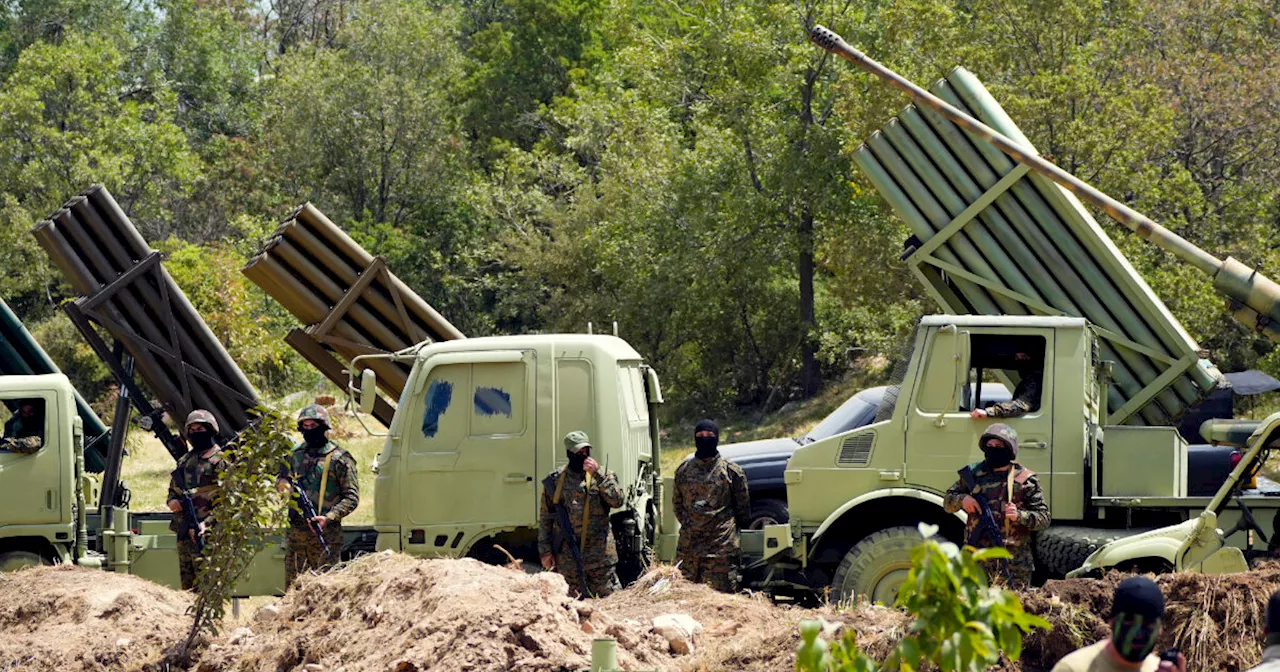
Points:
[(480, 424), (1030, 285)]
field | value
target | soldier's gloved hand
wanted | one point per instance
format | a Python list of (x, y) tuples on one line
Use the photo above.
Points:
[(590, 465), (1010, 511), (548, 561), (978, 413), (969, 504), (203, 528), (320, 521)]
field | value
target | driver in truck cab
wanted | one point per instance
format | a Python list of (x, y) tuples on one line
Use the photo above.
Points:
[(24, 432), (1013, 499), (1026, 395)]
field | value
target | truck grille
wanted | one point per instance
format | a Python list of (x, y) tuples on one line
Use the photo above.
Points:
[(856, 450)]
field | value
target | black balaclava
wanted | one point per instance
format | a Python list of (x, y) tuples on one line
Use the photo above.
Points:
[(578, 460), (315, 437), (705, 446), (999, 457), (1136, 615), (1273, 619), (201, 441)]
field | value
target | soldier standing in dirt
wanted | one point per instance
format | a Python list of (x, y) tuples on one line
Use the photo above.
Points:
[(327, 474), (196, 476), (711, 504), (1012, 494), (582, 494), (24, 432), (1137, 614)]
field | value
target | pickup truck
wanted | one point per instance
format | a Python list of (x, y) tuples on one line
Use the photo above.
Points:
[(765, 460)]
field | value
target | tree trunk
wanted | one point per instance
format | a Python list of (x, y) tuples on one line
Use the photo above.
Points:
[(810, 376)]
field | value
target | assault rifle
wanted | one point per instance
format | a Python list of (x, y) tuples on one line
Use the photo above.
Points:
[(190, 520), (987, 530), (308, 510)]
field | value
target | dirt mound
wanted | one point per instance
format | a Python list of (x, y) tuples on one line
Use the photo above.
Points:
[(67, 618), (1217, 621), (392, 612)]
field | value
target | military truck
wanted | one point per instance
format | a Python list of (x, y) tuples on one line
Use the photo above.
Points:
[(1003, 244), (459, 477)]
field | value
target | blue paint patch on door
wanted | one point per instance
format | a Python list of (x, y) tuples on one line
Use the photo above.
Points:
[(492, 401), (439, 396)]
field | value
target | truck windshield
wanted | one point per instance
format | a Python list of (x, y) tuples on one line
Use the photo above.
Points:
[(852, 414)]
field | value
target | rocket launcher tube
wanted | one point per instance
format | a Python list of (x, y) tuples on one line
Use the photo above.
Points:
[(1232, 278)]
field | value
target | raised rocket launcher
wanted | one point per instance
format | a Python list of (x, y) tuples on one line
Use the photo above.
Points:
[(351, 303), (1003, 231), (126, 291), (21, 355)]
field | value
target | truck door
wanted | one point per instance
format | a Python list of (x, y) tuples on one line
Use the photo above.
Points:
[(31, 486), (471, 459), (941, 435)]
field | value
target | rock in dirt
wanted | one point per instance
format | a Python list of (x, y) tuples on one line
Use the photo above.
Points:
[(67, 618), (268, 612), (678, 630)]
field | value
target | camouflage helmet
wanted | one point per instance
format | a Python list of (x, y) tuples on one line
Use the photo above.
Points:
[(202, 416), (1003, 432), (314, 412)]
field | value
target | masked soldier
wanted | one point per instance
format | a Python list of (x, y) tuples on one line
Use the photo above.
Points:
[(327, 475), (197, 478), (1026, 394), (712, 505), (580, 494), (24, 432), (1013, 495)]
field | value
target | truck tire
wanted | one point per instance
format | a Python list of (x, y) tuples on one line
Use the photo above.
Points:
[(14, 560), (1060, 549), (877, 565), (768, 512)]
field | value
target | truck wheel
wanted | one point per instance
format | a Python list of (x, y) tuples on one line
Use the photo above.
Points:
[(1059, 550), (11, 561), (768, 512), (877, 565)]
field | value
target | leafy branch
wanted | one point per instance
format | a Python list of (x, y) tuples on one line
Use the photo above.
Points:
[(962, 624)]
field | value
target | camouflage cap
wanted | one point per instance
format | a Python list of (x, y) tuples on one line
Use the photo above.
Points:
[(202, 416), (575, 441), (314, 412), (1003, 432)]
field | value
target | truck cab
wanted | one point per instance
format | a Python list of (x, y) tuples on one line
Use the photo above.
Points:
[(856, 498), (489, 415)]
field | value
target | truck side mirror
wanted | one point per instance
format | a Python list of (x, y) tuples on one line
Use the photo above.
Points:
[(948, 370), (368, 390)]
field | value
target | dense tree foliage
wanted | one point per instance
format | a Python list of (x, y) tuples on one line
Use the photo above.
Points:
[(681, 168)]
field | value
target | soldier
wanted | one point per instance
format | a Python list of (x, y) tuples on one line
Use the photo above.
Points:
[(24, 432), (1026, 394), (196, 477), (1271, 654), (1137, 616), (712, 505), (582, 494), (327, 474), (1014, 497)]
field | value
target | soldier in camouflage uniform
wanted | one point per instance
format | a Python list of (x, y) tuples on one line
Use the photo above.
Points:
[(712, 505), (197, 476), (318, 464), (24, 432), (1019, 516), (1026, 394), (587, 493)]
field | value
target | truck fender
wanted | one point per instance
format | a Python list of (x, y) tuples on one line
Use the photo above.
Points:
[(1161, 544), (854, 503)]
